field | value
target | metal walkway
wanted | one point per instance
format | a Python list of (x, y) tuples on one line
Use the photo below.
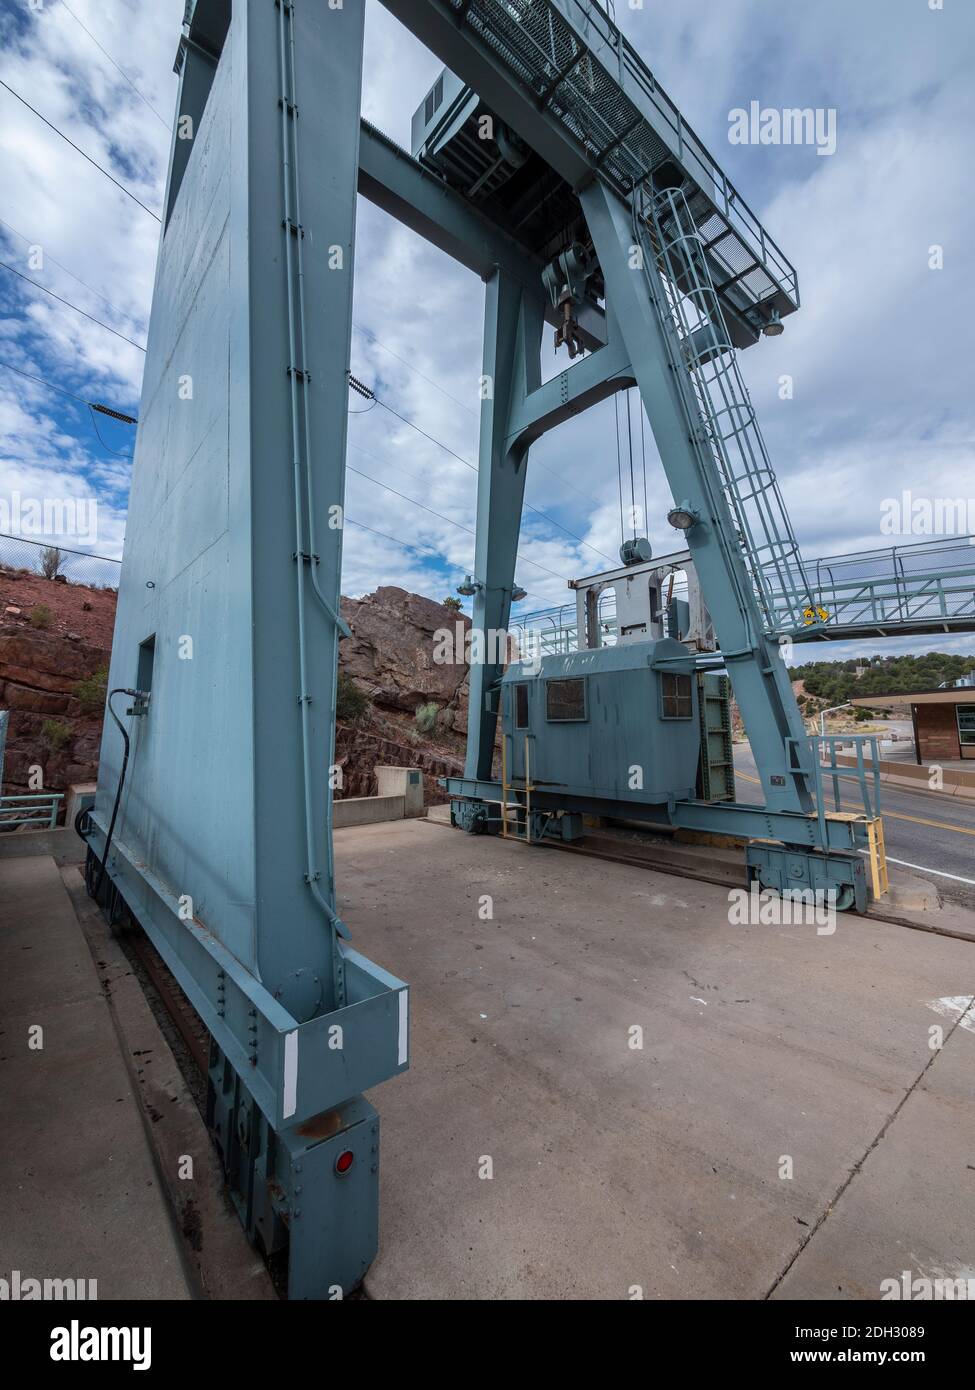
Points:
[(584, 74), (905, 590)]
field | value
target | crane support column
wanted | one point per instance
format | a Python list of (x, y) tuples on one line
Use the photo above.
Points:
[(513, 322), (228, 623), (759, 676)]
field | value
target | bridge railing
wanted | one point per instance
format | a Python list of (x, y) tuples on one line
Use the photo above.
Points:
[(898, 586)]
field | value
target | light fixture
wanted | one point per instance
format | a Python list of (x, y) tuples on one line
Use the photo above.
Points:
[(775, 326), (518, 593), (469, 587), (683, 517)]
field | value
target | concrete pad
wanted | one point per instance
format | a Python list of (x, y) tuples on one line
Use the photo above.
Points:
[(911, 1206), (79, 1195), (615, 1166)]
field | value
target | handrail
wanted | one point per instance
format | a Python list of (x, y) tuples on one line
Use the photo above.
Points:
[(46, 804)]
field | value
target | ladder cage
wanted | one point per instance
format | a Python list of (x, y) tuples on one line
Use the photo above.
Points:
[(726, 424)]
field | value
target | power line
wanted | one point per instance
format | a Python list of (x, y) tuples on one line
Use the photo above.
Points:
[(48, 257), (414, 545), (363, 390), (449, 520), (127, 191), (91, 318), (536, 462), (367, 333), (92, 405), (115, 65), (119, 453)]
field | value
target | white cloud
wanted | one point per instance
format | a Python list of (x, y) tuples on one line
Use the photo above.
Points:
[(878, 351)]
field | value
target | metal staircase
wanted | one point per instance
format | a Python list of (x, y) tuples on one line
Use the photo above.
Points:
[(721, 418)]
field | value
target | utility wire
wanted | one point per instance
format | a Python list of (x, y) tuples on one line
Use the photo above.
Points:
[(619, 461), (439, 515), (367, 333), (371, 395), (127, 191), (92, 405), (629, 430), (115, 65), (643, 453), (94, 420), (48, 257), (536, 462), (418, 545), (91, 318)]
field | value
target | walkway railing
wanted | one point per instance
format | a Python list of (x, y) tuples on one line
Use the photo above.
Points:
[(37, 811), (926, 584)]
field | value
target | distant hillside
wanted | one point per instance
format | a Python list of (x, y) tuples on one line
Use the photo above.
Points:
[(55, 640), (835, 681)]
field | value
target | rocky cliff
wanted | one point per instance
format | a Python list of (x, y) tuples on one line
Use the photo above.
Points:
[(55, 643), (417, 710)]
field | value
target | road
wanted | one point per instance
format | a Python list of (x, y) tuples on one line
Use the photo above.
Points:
[(922, 830)]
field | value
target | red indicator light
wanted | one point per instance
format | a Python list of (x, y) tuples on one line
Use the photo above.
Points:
[(344, 1161)]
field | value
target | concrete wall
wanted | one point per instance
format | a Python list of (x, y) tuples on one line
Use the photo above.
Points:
[(367, 810), (954, 781), (404, 782)]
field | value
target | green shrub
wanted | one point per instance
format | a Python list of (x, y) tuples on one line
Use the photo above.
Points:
[(352, 704), (41, 616), (92, 691), (426, 718), (454, 604), (55, 734)]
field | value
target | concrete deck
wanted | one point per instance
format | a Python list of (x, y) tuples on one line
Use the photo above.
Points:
[(658, 1168), (79, 1194)]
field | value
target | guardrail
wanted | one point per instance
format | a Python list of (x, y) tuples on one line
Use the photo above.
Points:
[(38, 811)]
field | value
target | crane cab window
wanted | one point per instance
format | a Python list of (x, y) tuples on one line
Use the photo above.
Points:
[(521, 706), (675, 696), (565, 701)]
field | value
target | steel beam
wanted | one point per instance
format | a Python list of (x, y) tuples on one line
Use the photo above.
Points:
[(758, 674), (574, 390), (513, 319), (713, 817), (393, 180)]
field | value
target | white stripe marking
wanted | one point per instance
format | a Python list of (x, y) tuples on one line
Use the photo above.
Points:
[(922, 868), (404, 1029), (290, 1101), (955, 1006)]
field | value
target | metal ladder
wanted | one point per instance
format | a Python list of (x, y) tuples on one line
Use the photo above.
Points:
[(507, 787), (721, 417)]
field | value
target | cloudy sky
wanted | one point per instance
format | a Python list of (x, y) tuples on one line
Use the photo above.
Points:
[(880, 353)]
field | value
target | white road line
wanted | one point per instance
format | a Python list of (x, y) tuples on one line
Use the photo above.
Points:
[(922, 868)]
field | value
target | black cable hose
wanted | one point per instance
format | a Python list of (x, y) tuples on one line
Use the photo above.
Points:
[(120, 690)]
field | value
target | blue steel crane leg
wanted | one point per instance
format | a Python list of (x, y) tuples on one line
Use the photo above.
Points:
[(513, 321), (758, 674), (222, 848)]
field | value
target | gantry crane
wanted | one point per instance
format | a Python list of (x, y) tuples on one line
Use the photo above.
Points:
[(590, 206)]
